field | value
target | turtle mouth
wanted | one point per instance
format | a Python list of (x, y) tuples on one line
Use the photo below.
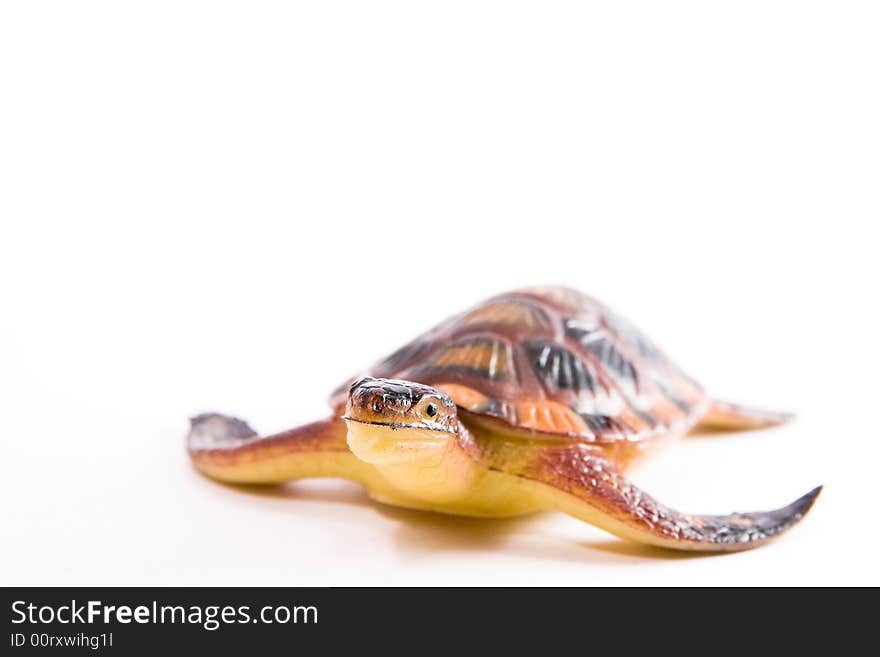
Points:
[(388, 443), (395, 425)]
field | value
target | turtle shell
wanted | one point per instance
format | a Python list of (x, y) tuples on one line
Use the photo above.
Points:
[(550, 360)]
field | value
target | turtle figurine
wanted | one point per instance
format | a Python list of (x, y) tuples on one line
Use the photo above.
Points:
[(535, 399)]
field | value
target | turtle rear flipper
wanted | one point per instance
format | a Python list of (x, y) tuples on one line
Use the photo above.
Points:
[(579, 481), (724, 416), (227, 449)]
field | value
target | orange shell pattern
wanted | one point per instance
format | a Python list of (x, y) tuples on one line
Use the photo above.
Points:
[(551, 360)]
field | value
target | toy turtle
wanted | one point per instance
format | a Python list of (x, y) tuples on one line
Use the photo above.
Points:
[(535, 399)]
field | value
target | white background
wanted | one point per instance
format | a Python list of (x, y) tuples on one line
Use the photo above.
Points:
[(233, 206)]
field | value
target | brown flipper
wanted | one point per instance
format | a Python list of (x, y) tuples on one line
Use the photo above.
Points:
[(724, 416), (580, 481), (227, 449)]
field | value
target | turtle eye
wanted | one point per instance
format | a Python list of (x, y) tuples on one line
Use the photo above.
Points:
[(430, 410)]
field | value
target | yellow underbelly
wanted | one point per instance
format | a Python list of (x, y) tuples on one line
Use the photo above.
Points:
[(490, 495)]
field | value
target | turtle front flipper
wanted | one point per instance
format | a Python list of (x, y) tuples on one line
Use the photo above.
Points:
[(227, 449), (724, 416), (580, 481)]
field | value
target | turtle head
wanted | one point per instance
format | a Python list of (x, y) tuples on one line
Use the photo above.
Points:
[(394, 422)]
